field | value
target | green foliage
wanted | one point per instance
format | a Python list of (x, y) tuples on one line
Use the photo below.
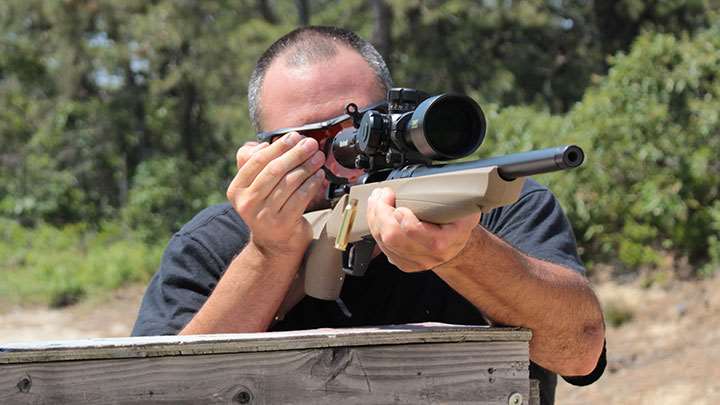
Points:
[(713, 265), (130, 112), (652, 178), (59, 266), (166, 193), (89, 91), (617, 313), (525, 52)]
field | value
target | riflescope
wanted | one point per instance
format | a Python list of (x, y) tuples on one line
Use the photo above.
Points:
[(416, 129)]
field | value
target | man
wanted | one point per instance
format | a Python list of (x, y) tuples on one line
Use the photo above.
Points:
[(231, 267)]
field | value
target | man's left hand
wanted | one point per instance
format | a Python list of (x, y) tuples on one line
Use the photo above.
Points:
[(410, 244)]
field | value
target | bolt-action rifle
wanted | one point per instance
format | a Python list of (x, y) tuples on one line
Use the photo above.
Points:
[(396, 143)]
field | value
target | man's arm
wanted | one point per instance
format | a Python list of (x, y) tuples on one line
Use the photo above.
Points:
[(248, 295), (510, 287), (273, 186)]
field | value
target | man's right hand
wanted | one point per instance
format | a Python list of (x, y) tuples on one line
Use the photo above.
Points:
[(273, 187)]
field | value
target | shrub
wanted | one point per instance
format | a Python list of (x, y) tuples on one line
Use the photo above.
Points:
[(166, 193), (617, 313), (651, 132), (60, 266)]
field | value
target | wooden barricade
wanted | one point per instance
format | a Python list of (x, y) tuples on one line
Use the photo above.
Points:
[(404, 364)]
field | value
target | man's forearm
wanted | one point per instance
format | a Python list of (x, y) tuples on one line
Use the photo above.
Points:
[(248, 295), (514, 289)]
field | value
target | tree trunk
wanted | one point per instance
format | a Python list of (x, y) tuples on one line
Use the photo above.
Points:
[(382, 31), (189, 119), (303, 8), (266, 11)]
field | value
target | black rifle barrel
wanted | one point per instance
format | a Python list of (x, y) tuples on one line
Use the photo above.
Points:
[(510, 167)]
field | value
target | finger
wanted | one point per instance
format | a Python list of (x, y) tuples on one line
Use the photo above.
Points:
[(298, 201), (387, 196), (242, 206), (458, 231), (468, 222), (402, 261), (371, 216), (380, 218), (294, 179), (244, 153), (278, 168), (424, 233), (409, 222), (386, 228), (384, 209), (261, 158)]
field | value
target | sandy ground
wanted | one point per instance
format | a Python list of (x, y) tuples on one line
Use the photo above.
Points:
[(111, 316), (669, 353)]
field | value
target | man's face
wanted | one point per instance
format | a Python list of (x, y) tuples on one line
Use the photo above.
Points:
[(298, 95)]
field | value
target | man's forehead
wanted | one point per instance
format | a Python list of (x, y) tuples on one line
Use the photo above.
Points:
[(297, 95), (309, 51)]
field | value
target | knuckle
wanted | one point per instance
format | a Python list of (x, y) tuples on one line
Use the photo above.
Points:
[(305, 142), (272, 222), (244, 202), (308, 166), (296, 178), (439, 245), (275, 168), (242, 207), (243, 154), (392, 236), (263, 215), (304, 188), (259, 159), (285, 183), (275, 194), (413, 231), (313, 142)]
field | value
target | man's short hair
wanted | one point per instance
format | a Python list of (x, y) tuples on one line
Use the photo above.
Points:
[(308, 45)]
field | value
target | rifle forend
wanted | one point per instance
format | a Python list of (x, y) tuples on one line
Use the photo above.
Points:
[(437, 194)]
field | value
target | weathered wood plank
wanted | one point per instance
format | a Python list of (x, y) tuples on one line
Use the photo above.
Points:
[(486, 372), (157, 346), (534, 392)]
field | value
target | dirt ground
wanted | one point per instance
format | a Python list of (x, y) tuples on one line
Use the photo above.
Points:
[(669, 353)]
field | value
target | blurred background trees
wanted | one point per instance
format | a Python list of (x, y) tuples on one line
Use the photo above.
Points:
[(122, 118)]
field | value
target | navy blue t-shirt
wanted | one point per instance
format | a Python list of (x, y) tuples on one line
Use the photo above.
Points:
[(199, 253)]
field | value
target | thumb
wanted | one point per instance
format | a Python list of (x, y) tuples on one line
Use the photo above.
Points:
[(387, 195)]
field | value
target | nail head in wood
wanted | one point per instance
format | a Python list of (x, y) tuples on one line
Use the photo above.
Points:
[(24, 384), (515, 398), (243, 397)]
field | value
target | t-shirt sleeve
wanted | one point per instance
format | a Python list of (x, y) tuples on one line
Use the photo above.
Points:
[(537, 226), (583, 380), (187, 275)]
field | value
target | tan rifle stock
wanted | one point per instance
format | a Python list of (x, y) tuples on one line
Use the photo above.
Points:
[(440, 199)]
